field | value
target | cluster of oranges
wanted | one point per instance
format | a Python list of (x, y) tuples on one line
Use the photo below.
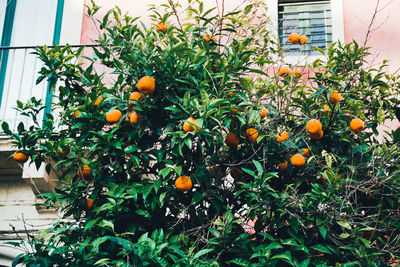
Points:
[(315, 132), (146, 86), (285, 71), (232, 140), (313, 128), (295, 38)]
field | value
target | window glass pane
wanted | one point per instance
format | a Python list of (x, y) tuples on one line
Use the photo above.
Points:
[(311, 19)]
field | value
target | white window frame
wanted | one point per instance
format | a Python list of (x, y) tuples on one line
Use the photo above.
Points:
[(337, 30)]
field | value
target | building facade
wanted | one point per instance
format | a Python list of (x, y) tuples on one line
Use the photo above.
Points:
[(25, 24)]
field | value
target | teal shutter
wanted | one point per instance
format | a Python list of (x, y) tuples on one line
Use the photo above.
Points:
[(56, 41), (6, 41)]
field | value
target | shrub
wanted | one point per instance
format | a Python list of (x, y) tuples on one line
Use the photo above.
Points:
[(339, 206)]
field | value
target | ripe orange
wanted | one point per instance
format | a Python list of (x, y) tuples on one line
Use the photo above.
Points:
[(84, 172), (147, 85), (357, 125), (264, 112), (98, 100), (189, 124), (316, 136), (183, 183), (161, 27), (20, 157), (133, 117), (78, 115), (282, 167), (335, 97), (294, 38), (313, 126), (113, 116), (306, 152), (284, 71), (252, 135), (135, 96), (330, 174), (327, 109), (303, 40), (283, 136), (232, 140), (89, 204), (297, 73), (210, 38), (230, 94), (297, 160)]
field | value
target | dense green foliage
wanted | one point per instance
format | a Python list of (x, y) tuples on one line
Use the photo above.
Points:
[(260, 217)]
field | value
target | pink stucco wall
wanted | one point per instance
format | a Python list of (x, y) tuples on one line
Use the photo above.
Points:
[(385, 38), (139, 8)]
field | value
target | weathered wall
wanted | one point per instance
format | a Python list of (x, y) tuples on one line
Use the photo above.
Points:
[(384, 40)]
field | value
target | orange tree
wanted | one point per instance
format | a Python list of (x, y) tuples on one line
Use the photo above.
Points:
[(193, 155)]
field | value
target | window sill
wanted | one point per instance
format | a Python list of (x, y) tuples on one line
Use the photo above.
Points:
[(302, 60)]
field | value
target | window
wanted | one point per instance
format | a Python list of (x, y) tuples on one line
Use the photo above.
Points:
[(311, 18)]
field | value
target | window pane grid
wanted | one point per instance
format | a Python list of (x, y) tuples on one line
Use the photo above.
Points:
[(310, 18)]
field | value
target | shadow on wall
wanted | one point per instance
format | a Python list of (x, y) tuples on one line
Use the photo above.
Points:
[(8, 254)]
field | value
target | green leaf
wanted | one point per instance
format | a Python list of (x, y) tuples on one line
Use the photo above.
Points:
[(344, 224), (321, 248), (164, 172), (178, 170), (239, 261), (91, 223), (161, 198), (396, 136), (6, 128), (344, 235), (188, 142), (17, 260), (380, 115), (360, 148), (287, 256), (202, 252), (98, 241), (305, 263), (204, 98), (259, 167), (365, 242), (144, 213), (131, 149), (101, 261), (197, 197), (107, 224), (323, 231), (214, 232), (186, 99), (322, 52), (274, 245), (367, 229)]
